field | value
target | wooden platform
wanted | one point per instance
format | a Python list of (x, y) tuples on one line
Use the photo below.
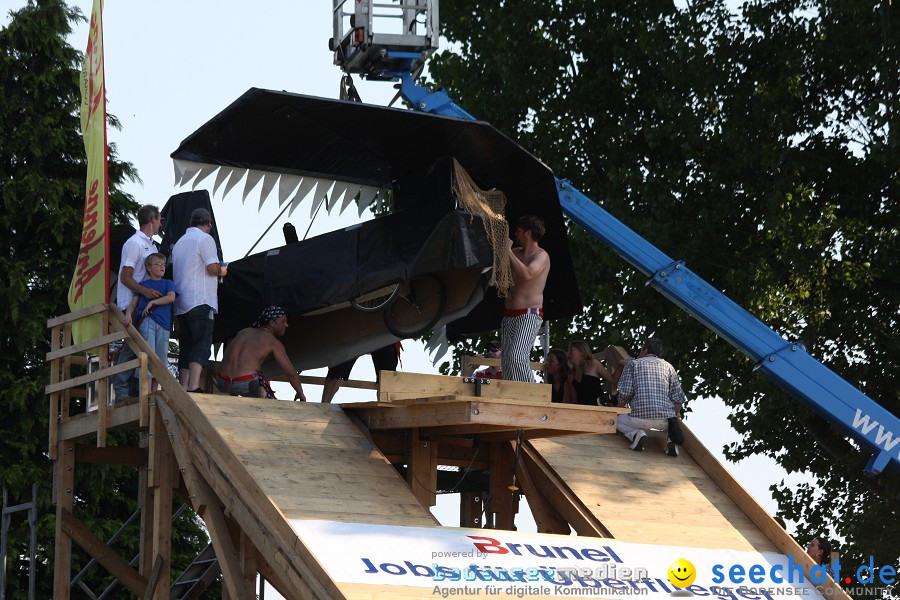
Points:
[(649, 497), (312, 462)]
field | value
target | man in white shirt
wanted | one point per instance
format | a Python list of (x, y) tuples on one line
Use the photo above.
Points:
[(196, 269), (132, 271)]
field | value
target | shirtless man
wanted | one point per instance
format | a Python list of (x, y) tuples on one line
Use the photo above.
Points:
[(239, 373), (523, 312)]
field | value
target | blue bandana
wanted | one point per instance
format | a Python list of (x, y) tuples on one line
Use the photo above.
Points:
[(269, 314)]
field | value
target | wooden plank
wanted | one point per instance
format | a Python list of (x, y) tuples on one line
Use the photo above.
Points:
[(561, 496), (78, 314), (504, 501), (469, 410), (111, 455), (96, 375), (262, 521), (399, 386), (53, 419), (83, 346), (546, 517), (85, 425), (763, 520), (165, 475), (471, 509), (103, 554), (421, 471)]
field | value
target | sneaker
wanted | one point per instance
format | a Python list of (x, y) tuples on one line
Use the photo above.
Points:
[(671, 448), (638, 443)]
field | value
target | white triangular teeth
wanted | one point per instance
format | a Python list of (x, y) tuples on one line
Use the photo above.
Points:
[(205, 172), (349, 195), (253, 177), (286, 187), (269, 182), (366, 195), (236, 175), (305, 187)]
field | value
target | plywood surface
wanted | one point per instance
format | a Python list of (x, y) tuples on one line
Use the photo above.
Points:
[(312, 461), (649, 497)]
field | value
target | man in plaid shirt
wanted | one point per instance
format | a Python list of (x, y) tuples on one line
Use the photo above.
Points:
[(653, 388)]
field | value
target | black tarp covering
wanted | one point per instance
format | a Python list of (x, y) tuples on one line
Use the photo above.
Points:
[(334, 267), (385, 147)]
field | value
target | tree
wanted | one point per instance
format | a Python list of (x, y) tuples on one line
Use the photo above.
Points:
[(42, 179), (761, 148)]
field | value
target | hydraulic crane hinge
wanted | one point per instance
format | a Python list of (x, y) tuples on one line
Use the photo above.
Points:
[(770, 358), (666, 271)]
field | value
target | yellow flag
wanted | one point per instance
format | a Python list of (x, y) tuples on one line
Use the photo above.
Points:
[(90, 283)]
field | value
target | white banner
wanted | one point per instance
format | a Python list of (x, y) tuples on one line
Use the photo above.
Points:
[(492, 562)]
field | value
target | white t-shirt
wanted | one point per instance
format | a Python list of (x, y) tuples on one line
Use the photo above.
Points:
[(190, 256), (134, 252)]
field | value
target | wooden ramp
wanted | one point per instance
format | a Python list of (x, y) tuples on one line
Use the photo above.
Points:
[(312, 461), (649, 497), (260, 463)]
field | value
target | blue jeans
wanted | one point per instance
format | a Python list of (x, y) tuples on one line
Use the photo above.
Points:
[(158, 338), (123, 379)]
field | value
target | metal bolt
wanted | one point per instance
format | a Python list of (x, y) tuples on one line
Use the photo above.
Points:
[(793, 348), (424, 444), (422, 105), (69, 468), (611, 422), (68, 490), (181, 469), (662, 273), (678, 266), (475, 411), (563, 185), (771, 359), (543, 417)]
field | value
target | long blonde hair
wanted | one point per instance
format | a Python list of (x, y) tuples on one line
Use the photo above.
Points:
[(586, 352)]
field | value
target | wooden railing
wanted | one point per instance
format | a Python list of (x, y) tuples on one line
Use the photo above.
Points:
[(64, 355)]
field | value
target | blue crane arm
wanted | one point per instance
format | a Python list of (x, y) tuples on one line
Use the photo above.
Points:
[(785, 363)]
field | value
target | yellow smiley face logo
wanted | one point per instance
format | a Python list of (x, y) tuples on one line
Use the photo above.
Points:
[(682, 573)]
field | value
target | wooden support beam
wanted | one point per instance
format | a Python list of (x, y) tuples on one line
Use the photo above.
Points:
[(561, 496), (55, 341), (504, 502), (467, 414), (206, 504), (760, 516), (78, 314), (145, 502), (103, 554), (546, 517), (64, 496), (471, 509), (421, 472), (111, 455), (153, 580), (84, 426), (164, 478)]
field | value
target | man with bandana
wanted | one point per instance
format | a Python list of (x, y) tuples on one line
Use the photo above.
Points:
[(239, 373)]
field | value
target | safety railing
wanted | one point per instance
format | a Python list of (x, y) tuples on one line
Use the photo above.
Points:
[(76, 368)]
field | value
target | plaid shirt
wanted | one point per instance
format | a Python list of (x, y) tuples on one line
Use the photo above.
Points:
[(652, 386)]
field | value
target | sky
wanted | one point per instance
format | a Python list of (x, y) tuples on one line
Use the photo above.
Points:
[(171, 65)]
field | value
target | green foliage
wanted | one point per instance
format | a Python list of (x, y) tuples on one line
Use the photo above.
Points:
[(761, 148), (42, 179)]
